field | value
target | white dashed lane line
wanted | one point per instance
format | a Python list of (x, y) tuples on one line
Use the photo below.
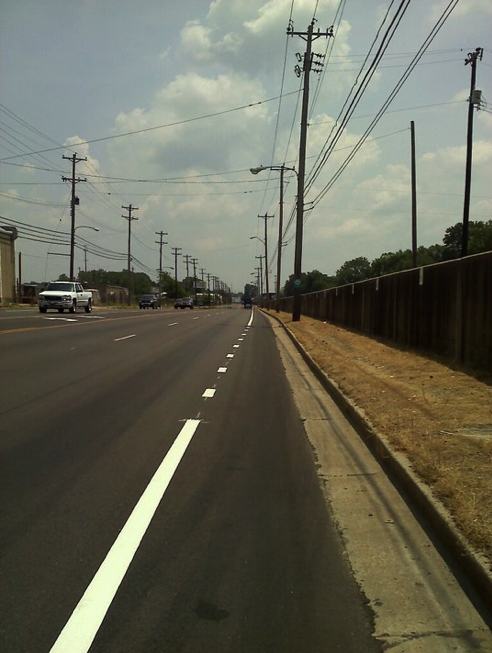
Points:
[(80, 630)]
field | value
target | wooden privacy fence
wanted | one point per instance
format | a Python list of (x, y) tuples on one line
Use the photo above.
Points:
[(444, 308)]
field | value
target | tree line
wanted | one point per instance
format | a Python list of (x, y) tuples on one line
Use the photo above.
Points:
[(360, 268)]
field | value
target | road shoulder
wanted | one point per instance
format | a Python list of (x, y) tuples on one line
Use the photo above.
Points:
[(418, 603)]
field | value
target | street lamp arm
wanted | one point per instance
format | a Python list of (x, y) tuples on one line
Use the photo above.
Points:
[(255, 171), (85, 226)]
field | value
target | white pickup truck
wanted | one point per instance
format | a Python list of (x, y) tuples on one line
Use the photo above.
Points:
[(65, 295)]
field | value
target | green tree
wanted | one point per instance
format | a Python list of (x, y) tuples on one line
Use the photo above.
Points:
[(479, 239), (167, 284), (403, 260), (310, 282), (141, 282), (357, 269), (316, 280)]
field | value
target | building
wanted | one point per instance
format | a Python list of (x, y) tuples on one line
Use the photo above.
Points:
[(8, 236)]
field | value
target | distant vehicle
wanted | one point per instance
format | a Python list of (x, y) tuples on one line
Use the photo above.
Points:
[(61, 295), (247, 301), (148, 301), (184, 302)]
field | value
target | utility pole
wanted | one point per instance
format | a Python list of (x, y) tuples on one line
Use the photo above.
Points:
[(414, 198), (187, 258), (214, 287), (194, 261), (19, 286), (160, 242), (176, 252), (307, 67), (258, 284), (473, 100), (280, 238), (130, 218), (266, 218), (208, 287), (261, 277), (75, 200)]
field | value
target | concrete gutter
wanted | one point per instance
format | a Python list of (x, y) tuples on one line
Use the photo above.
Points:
[(470, 568)]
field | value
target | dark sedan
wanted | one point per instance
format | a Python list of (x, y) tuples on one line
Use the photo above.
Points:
[(148, 301)]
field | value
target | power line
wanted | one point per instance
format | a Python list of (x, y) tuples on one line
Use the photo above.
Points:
[(430, 37), (149, 129), (357, 95)]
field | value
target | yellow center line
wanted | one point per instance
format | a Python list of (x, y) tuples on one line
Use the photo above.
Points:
[(71, 324)]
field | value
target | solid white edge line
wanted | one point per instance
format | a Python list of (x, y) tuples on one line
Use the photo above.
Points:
[(81, 629)]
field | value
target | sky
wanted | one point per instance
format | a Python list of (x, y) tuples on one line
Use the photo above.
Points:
[(173, 102)]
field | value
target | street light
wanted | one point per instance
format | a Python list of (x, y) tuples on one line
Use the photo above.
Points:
[(281, 169), (86, 226), (72, 249)]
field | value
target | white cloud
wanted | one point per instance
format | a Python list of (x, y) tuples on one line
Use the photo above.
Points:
[(76, 144), (462, 9)]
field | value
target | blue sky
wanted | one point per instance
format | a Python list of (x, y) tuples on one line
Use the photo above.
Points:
[(205, 79)]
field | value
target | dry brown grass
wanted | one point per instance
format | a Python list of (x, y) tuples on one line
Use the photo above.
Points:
[(439, 417)]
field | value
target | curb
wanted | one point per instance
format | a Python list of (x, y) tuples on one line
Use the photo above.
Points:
[(468, 567)]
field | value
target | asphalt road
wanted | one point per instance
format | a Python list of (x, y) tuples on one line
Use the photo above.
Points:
[(159, 493)]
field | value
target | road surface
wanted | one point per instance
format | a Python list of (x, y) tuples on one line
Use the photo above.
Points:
[(161, 493)]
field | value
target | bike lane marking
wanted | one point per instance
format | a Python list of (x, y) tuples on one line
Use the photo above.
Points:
[(81, 629)]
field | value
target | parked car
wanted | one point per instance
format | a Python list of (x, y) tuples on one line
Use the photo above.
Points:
[(184, 302), (148, 301)]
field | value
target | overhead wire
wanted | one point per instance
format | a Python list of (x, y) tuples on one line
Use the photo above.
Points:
[(153, 128), (330, 44), (359, 89), (430, 37)]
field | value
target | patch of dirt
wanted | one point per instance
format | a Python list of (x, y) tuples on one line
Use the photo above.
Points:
[(439, 417)]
